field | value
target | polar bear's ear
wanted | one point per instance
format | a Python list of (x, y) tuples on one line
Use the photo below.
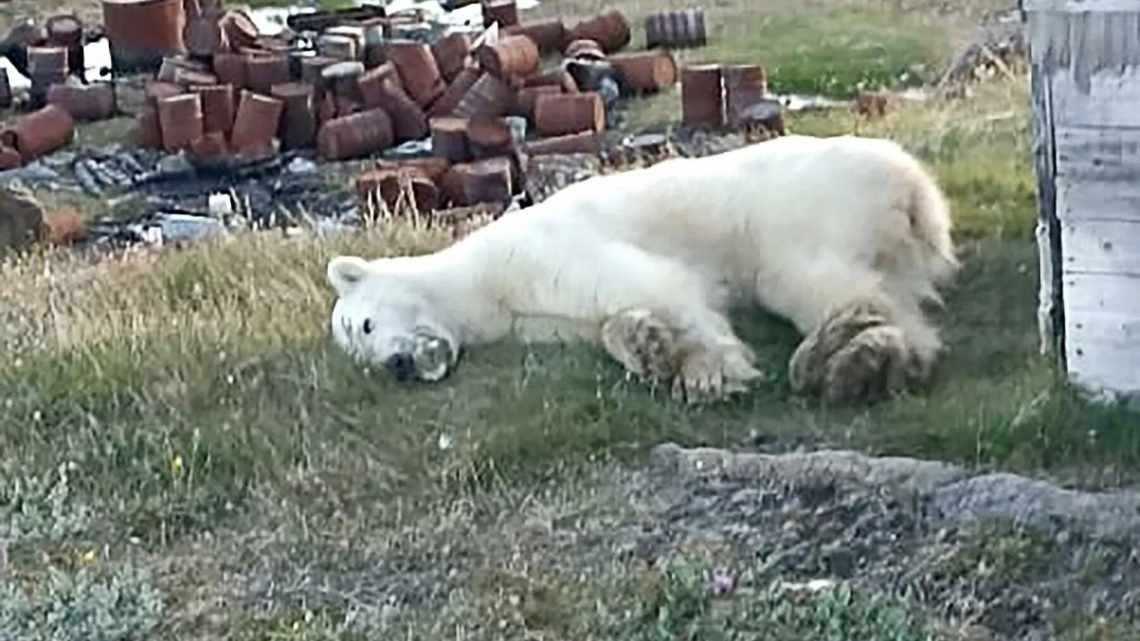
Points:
[(346, 271)]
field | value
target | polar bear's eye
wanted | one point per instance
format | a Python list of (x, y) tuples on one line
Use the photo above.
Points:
[(367, 325)]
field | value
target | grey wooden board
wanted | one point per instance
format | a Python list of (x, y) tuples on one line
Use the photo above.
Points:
[(1103, 351), (1112, 100), (1073, 6), (1101, 246), (1102, 293), (1098, 153), (1097, 200)]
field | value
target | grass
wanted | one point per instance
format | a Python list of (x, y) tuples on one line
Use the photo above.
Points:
[(156, 404)]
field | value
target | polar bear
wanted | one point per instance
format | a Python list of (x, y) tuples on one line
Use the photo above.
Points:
[(846, 237)]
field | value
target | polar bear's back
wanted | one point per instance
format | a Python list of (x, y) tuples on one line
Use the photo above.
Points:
[(741, 211)]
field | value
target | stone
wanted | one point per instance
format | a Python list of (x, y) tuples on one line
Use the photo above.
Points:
[(21, 218)]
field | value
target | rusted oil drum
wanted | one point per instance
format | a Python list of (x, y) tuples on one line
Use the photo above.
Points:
[(211, 145), (584, 48), (181, 120), (561, 114), (257, 121), (556, 77), (549, 35), (66, 31), (156, 90), (381, 88), (95, 101), (702, 96), (230, 69), (610, 30), (387, 183), (142, 32), (9, 158), (418, 71), (298, 127), (744, 86), (311, 69), (451, 53), (449, 138), (481, 181), (528, 96), (360, 134), (646, 72), (447, 103), (510, 56), (147, 132), (187, 77), (264, 71), (489, 136), (47, 65), (217, 107), (587, 142), (489, 96), (676, 29), (39, 132)]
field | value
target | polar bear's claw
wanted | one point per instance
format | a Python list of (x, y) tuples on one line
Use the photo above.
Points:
[(710, 375)]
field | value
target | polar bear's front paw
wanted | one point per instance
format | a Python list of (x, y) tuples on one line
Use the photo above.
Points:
[(643, 343), (712, 375), (856, 356)]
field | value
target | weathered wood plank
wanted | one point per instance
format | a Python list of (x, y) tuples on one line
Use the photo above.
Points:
[(1079, 200), (1109, 100), (1104, 351), (1050, 321), (1104, 247), (1075, 6), (1098, 153), (1101, 293)]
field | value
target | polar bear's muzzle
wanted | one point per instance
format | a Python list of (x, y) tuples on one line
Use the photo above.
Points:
[(424, 357)]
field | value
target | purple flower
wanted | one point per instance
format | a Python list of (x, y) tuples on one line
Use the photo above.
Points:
[(722, 583)]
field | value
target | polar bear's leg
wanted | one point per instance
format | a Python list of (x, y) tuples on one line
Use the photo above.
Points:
[(695, 349), (862, 341)]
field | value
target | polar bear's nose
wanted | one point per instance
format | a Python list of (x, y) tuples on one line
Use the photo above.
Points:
[(402, 366)]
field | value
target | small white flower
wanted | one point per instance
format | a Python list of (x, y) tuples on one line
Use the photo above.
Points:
[(446, 442)]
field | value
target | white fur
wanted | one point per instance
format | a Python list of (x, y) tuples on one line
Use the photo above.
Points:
[(797, 224)]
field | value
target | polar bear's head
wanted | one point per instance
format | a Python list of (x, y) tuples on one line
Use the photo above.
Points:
[(383, 317)]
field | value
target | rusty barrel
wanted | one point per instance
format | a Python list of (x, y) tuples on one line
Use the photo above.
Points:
[(95, 101), (9, 158), (560, 114), (549, 34), (181, 120), (230, 69), (241, 31), (298, 127), (744, 86), (264, 71), (451, 53), (381, 88), (217, 107), (647, 72), (489, 95), (676, 29), (449, 138), (504, 12), (584, 48), (556, 77), (156, 90), (66, 30), (482, 181), (357, 135), (489, 136), (417, 68), (203, 35), (40, 132), (609, 29), (211, 145), (343, 79), (147, 132), (339, 47), (46, 66), (191, 77), (257, 121), (528, 96), (142, 32), (510, 56), (586, 142), (455, 92), (388, 183), (702, 96)]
